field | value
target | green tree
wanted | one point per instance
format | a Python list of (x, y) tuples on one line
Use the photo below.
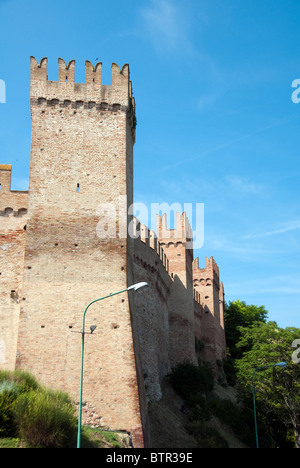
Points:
[(277, 390), (239, 314)]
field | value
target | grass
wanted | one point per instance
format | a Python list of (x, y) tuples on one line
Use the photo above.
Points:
[(91, 438), (10, 443), (99, 438)]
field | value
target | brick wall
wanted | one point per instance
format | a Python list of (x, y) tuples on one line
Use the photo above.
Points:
[(152, 310), (81, 158), (13, 215), (181, 310), (65, 244)]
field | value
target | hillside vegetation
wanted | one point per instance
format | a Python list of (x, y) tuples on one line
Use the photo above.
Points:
[(190, 415)]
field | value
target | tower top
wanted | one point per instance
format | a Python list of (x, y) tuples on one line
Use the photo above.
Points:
[(5, 167), (120, 90), (211, 269), (116, 97), (182, 232)]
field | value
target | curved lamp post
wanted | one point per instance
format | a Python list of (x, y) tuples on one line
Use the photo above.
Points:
[(278, 364), (134, 287)]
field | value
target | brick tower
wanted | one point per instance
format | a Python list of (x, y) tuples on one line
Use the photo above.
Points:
[(175, 244), (81, 161), (207, 284)]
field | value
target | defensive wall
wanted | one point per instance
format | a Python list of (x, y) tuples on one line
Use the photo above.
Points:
[(53, 261)]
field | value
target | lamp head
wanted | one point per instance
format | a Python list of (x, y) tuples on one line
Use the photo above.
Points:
[(93, 328), (137, 286), (281, 364)]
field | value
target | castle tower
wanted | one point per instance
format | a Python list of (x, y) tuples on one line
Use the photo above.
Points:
[(77, 249), (221, 328), (174, 243), (207, 284), (13, 212)]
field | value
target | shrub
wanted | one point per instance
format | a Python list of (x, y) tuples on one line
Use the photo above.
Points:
[(199, 408), (23, 380), (7, 421), (46, 419), (189, 379), (12, 384), (226, 411), (9, 391), (230, 372)]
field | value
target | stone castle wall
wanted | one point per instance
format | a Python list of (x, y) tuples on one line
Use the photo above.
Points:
[(55, 258), (13, 215)]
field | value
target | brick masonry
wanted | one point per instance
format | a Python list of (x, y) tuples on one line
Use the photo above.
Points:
[(55, 259)]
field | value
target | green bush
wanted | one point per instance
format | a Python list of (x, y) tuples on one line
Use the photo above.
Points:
[(199, 409), (230, 372), (189, 379), (46, 419), (7, 420), (12, 385), (24, 380), (226, 411)]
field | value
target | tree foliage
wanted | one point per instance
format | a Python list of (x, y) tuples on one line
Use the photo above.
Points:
[(277, 389), (239, 314), (253, 342)]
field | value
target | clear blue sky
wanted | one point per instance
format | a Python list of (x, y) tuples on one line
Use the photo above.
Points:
[(216, 122)]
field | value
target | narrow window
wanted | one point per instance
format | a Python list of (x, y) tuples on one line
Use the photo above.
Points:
[(77, 187), (0, 186)]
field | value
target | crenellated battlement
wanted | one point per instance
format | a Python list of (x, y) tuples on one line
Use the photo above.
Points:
[(38, 71), (5, 178), (13, 203), (181, 233), (117, 96), (149, 238), (93, 73), (207, 274)]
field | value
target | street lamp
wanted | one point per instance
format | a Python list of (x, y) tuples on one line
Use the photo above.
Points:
[(134, 287), (278, 364)]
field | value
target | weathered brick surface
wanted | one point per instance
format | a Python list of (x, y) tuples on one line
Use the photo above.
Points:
[(81, 160), (13, 213), (181, 309), (152, 311), (211, 331), (81, 157)]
